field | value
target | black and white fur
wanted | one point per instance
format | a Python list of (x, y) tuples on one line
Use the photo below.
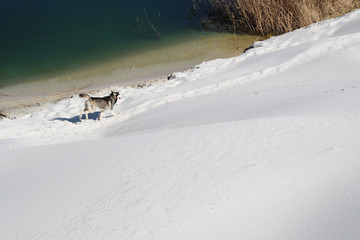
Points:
[(102, 103)]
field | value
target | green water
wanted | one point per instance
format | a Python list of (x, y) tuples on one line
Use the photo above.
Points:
[(43, 38)]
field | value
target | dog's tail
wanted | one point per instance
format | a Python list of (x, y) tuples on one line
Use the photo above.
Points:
[(84, 95)]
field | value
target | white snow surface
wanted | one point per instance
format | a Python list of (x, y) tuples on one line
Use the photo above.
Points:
[(261, 146)]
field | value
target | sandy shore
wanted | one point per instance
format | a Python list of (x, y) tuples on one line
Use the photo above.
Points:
[(133, 70)]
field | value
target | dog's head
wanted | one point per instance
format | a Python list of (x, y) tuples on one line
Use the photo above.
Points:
[(115, 95)]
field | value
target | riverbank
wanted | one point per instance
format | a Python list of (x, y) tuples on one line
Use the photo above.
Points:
[(130, 71)]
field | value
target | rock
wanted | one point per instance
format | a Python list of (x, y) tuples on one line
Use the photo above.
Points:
[(248, 48), (171, 77), (2, 115)]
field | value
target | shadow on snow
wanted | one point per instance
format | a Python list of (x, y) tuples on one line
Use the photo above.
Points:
[(92, 116)]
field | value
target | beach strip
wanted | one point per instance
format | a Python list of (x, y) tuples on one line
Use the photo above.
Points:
[(131, 70)]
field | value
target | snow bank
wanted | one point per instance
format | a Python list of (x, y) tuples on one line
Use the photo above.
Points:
[(260, 146)]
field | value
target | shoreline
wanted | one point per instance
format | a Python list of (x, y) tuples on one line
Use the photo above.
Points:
[(133, 71)]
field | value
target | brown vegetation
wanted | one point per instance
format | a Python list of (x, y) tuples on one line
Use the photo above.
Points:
[(272, 16)]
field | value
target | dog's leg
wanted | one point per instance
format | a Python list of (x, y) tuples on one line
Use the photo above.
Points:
[(86, 115), (101, 115), (81, 115), (112, 112)]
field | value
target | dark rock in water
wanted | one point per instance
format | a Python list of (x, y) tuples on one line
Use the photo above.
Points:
[(171, 77)]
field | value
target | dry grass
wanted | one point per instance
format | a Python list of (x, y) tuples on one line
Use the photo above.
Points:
[(273, 16)]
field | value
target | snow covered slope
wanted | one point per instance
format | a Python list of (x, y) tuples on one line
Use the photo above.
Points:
[(261, 146)]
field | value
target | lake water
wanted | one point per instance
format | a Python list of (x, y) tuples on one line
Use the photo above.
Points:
[(45, 39)]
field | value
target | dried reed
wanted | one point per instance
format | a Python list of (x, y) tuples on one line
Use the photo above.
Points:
[(273, 17)]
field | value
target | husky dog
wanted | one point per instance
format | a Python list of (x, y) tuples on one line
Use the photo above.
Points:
[(103, 103)]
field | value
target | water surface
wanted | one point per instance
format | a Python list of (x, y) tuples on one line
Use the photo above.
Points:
[(42, 39)]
